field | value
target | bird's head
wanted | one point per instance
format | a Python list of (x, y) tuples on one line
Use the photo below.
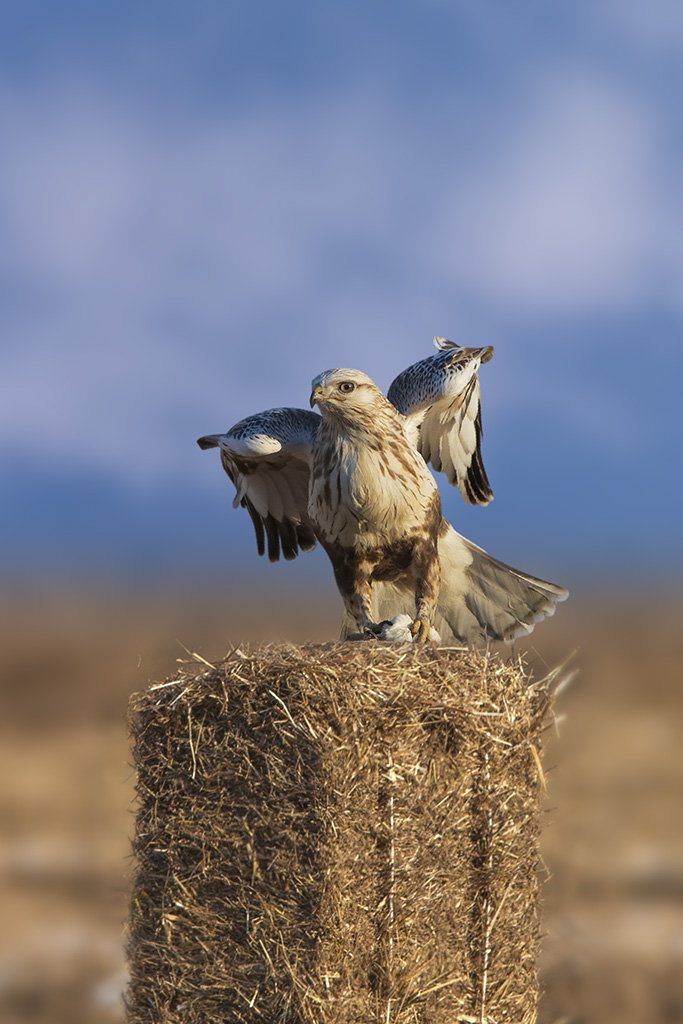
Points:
[(344, 394)]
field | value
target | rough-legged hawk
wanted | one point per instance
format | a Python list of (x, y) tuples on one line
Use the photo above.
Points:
[(356, 480)]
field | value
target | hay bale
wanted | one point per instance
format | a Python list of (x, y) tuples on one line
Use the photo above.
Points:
[(337, 832)]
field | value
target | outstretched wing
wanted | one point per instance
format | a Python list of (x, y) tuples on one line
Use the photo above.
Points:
[(440, 398), (267, 457)]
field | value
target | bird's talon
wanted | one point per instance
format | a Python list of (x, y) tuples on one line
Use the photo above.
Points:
[(421, 631), (372, 630)]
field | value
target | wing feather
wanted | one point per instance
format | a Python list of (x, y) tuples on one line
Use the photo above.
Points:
[(288, 540), (273, 537), (440, 398), (267, 456), (258, 526)]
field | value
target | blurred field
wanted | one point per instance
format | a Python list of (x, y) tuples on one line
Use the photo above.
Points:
[(613, 847)]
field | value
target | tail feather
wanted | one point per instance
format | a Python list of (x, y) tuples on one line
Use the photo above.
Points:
[(504, 602)]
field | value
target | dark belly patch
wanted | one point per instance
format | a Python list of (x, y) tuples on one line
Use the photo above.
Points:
[(395, 562)]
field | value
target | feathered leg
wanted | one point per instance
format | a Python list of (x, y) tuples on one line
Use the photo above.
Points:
[(428, 569), (352, 575)]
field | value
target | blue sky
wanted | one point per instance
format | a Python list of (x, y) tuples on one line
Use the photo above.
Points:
[(203, 206)]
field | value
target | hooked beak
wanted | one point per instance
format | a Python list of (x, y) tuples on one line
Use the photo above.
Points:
[(316, 394)]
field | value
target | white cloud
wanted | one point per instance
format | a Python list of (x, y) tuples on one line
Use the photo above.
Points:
[(565, 213), (656, 26)]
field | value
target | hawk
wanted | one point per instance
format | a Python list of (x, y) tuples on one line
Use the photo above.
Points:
[(356, 480)]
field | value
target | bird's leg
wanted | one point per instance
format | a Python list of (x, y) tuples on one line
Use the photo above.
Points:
[(426, 593), (364, 600), (352, 575), (421, 630), (361, 596)]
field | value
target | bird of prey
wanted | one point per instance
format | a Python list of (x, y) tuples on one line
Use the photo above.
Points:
[(355, 479)]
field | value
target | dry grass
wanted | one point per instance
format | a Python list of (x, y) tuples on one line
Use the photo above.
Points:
[(338, 833), (612, 909)]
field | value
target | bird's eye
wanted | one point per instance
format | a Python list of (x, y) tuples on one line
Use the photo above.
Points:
[(346, 387)]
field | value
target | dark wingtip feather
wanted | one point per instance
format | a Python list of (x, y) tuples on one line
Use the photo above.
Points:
[(480, 482), (477, 484), (305, 537), (209, 441), (258, 525), (279, 535), (290, 548), (273, 536)]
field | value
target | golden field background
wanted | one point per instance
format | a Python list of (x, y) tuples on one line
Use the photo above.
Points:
[(613, 846)]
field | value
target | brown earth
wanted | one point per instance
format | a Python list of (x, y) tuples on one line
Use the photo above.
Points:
[(613, 846)]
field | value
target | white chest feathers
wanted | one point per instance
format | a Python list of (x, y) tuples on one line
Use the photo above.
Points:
[(366, 494)]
